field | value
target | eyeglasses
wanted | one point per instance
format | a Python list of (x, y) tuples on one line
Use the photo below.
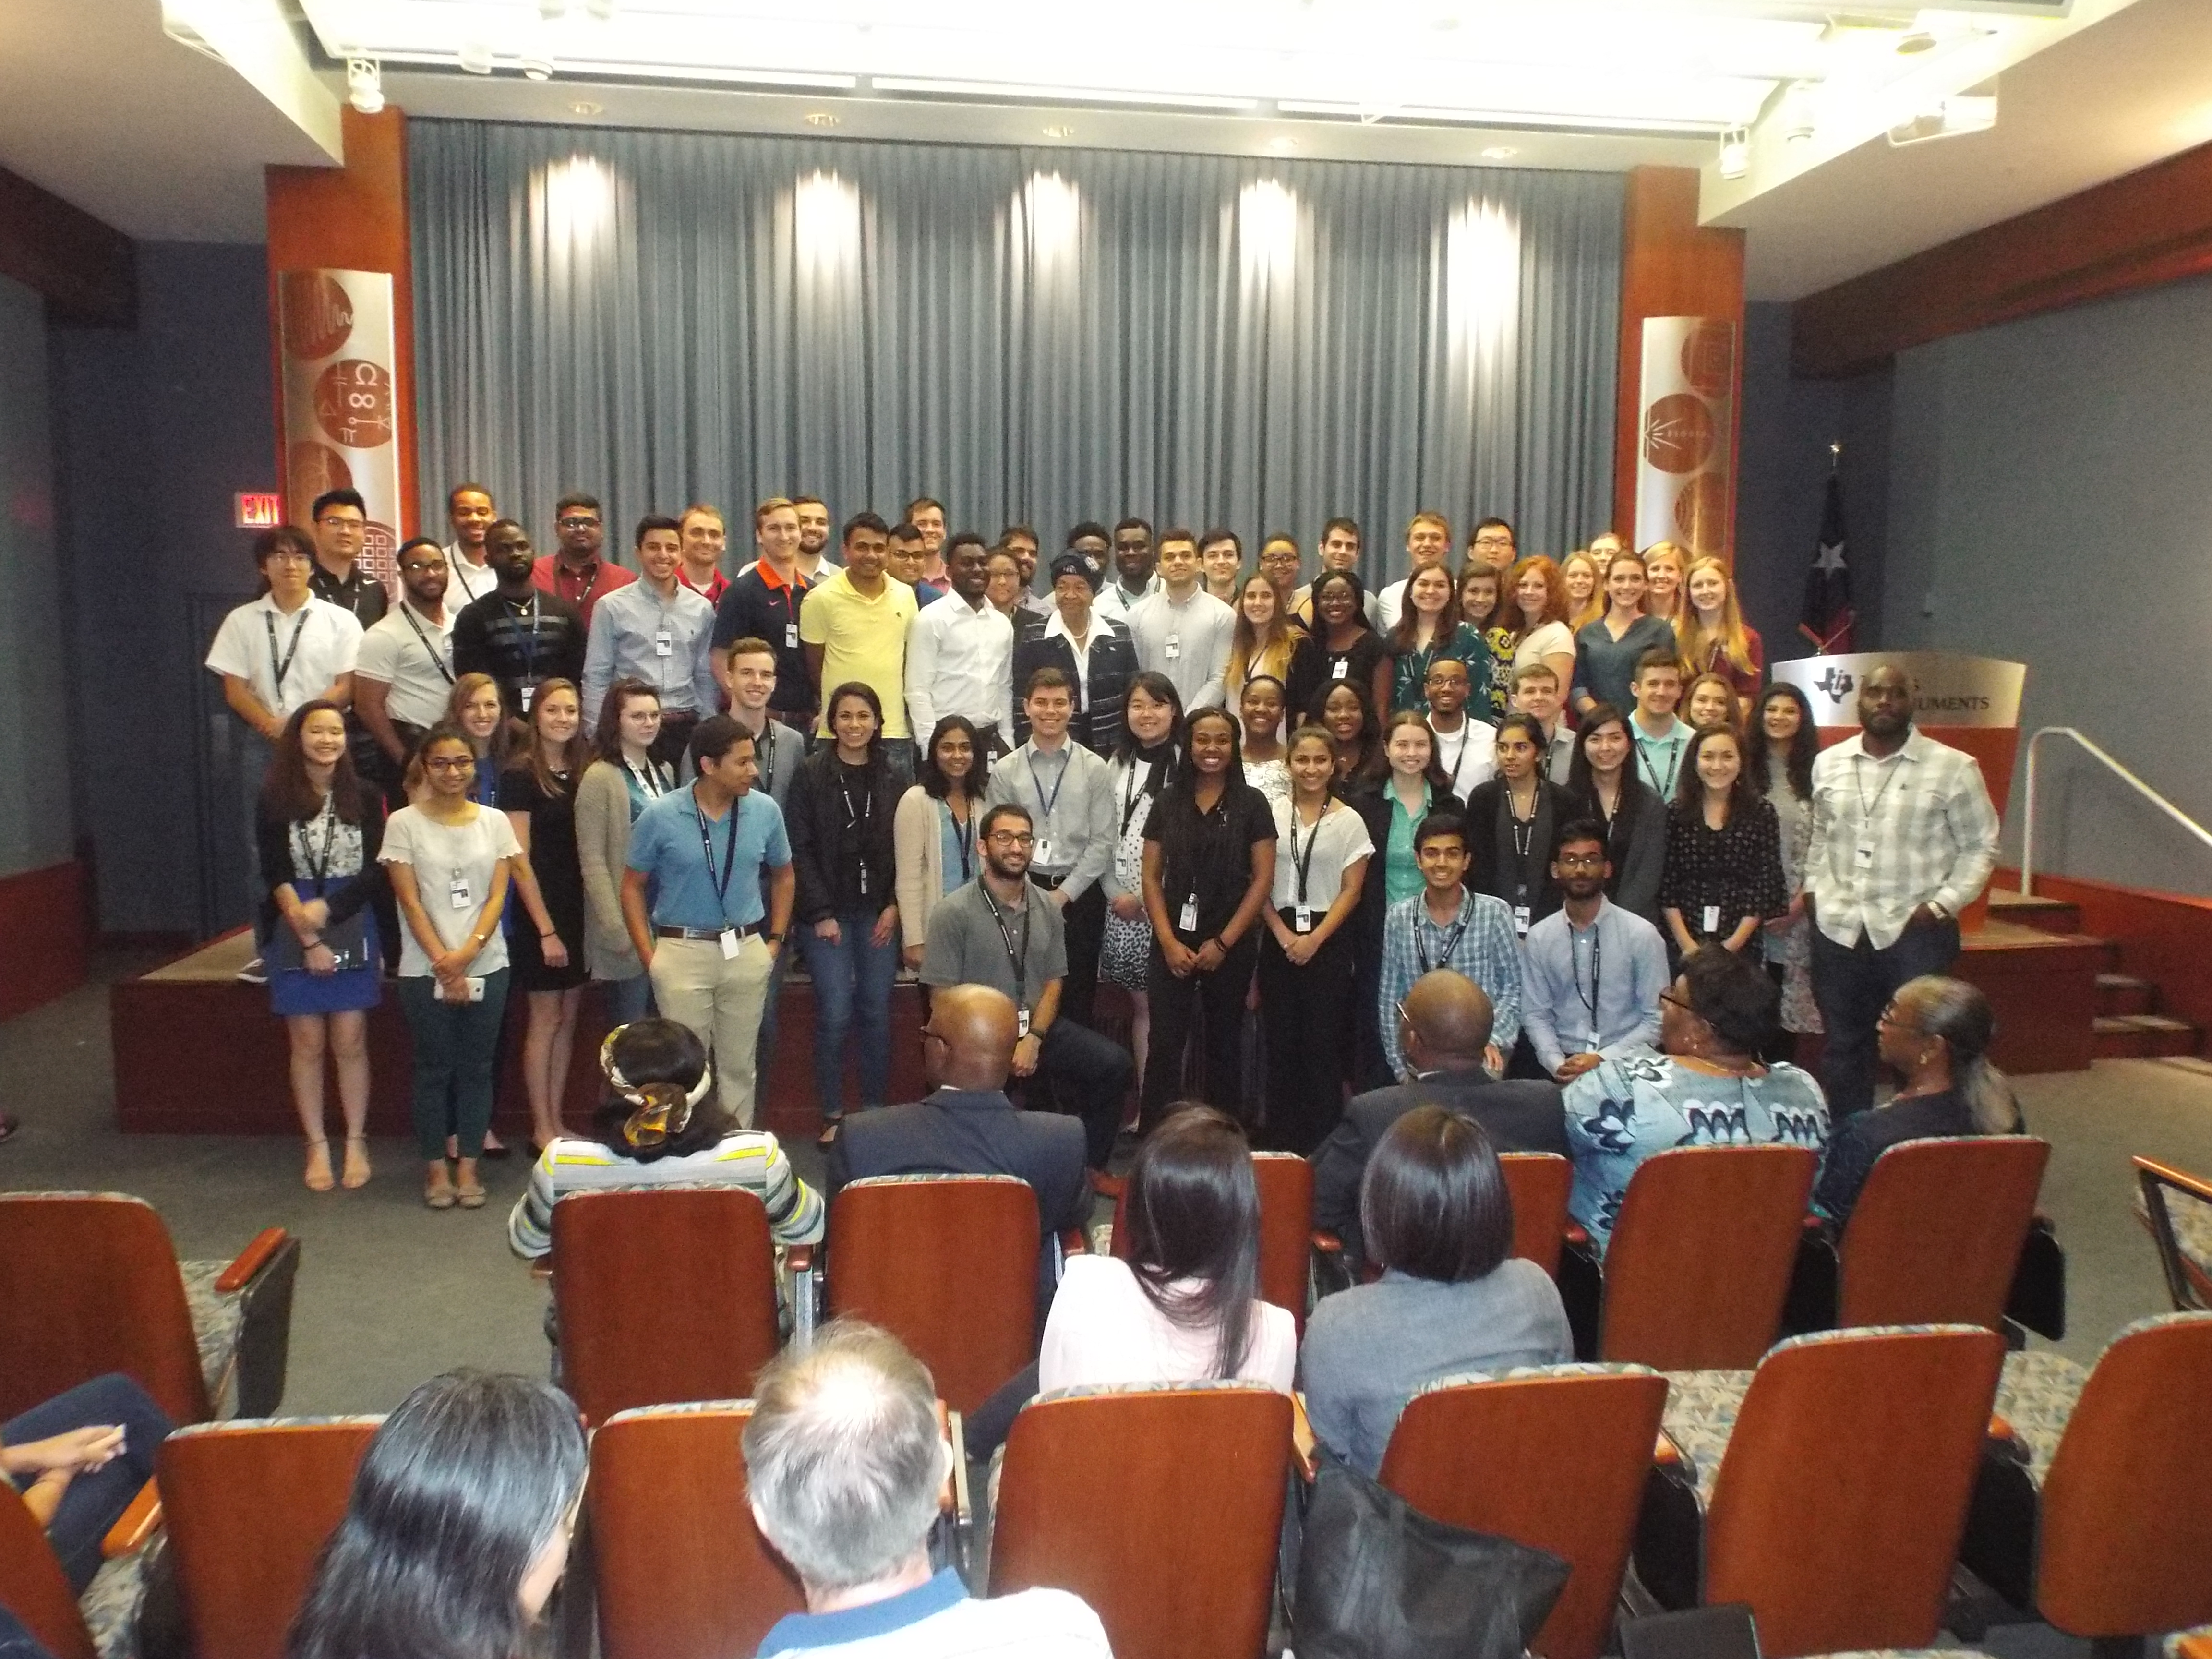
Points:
[(1585, 861), (1010, 838), (336, 521), (1489, 540), (578, 521), (291, 556), (1679, 1002), (424, 564), (450, 763)]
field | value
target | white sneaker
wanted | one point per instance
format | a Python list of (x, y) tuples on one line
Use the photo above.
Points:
[(254, 973)]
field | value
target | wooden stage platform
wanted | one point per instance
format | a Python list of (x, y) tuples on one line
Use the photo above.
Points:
[(197, 1053)]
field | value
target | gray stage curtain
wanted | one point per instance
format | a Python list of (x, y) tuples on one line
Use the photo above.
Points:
[(1038, 336)]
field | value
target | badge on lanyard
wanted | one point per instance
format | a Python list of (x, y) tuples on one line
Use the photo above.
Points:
[(1302, 920), (1521, 919), (664, 644), (1712, 919), (525, 693), (729, 940), (1188, 924), (791, 635), (1021, 1024), (1338, 668), (1864, 856), (1042, 857), (1175, 646), (458, 891)]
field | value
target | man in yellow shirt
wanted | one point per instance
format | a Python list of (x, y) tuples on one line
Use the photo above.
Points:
[(854, 627)]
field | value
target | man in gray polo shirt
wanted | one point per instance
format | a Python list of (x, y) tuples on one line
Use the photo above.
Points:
[(1002, 932)]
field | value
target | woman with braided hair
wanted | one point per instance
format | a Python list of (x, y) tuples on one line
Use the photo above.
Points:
[(661, 1123)]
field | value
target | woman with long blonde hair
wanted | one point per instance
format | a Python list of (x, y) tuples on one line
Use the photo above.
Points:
[(1585, 584), (1663, 564), (1263, 639), (1709, 627)]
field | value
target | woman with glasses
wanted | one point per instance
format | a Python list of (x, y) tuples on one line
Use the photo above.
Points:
[(1705, 1086), (659, 1123), (1339, 648), (1935, 1035)]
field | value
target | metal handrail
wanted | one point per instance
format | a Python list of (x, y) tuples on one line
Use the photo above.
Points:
[(2027, 833)]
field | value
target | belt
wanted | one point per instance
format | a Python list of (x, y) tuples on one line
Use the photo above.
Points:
[(707, 934), (1050, 883)]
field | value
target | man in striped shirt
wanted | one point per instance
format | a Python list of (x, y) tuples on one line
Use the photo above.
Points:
[(1903, 838)]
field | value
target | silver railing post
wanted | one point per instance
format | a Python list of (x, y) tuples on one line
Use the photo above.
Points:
[(2027, 829)]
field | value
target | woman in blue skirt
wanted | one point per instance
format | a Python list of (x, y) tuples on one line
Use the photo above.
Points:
[(320, 829)]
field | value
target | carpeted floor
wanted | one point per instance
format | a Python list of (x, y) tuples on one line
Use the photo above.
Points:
[(390, 1293)]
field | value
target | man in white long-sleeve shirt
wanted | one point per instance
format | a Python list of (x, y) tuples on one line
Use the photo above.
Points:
[(960, 655), (1182, 631), (1903, 838)]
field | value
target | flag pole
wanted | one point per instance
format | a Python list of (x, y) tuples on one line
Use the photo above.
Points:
[(1835, 457)]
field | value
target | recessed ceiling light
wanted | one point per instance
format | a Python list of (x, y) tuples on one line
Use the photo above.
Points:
[(820, 118), (1282, 146), (586, 106), (1060, 132), (1500, 153)]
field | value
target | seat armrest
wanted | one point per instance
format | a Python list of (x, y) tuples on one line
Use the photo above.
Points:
[(251, 1261), (1576, 1234), (2196, 1646), (800, 1258), (1073, 1242), (1328, 1243), (1302, 1440), (1666, 1455), (137, 1524), (805, 1294)]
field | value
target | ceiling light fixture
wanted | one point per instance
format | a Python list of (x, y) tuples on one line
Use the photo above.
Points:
[(1282, 144), (537, 65), (1799, 119), (586, 106), (1912, 44), (1060, 132), (552, 10), (819, 118), (1499, 153), (476, 56), (1736, 152), (1956, 116), (364, 85), (603, 9)]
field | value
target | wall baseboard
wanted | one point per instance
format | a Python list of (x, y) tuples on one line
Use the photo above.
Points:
[(44, 941)]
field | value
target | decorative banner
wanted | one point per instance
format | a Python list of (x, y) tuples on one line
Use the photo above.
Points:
[(1948, 689), (1685, 447), (339, 421)]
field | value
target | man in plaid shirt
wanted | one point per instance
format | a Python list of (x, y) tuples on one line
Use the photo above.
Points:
[(1444, 926)]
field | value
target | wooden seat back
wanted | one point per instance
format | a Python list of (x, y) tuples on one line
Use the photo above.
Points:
[(1935, 1236), (662, 1295), (32, 1585), (1539, 1184), (249, 1507), (89, 1285), (682, 1571), (1160, 1507), (2125, 1543), (1555, 1462), (1701, 1256), (1838, 1507), (948, 1265), (1285, 1184)]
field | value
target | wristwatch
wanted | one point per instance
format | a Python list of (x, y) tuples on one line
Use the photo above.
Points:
[(773, 938), (1938, 911)]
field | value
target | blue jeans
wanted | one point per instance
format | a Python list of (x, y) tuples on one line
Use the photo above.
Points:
[(852, 994), (628, 998), (94, 1501), (456, 1063)]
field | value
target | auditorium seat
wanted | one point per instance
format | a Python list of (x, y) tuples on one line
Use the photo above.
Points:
[(90, 1284), (1286, 1184), (1555, 1457), (2092, 1511), (661, 1294), (947, 1263), (1700, 1258), (1539, 1184), (1161, 1506), (247, 1507), (33, 1586), (682, 1573), (1828, 1489), (2176, 1208)]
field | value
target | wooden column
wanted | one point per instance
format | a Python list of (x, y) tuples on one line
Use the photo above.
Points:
[(1670, 266), (351, 218)]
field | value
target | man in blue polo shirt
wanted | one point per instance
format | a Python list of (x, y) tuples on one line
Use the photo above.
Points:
[(843, 1462), (693, 900)]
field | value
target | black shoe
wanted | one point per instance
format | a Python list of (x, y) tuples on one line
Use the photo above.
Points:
[(7, 1127)]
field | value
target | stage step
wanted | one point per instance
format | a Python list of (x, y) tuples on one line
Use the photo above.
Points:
[(2124, 993), (2048, 915), (2144, 1036)]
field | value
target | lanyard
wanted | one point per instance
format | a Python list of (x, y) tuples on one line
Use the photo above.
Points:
[(1019, 964), (858, 820), (584, 598), (1303, 865), (1673, 765), (1597, 967), (1858, 783), (320, 867), (529, 656), (1459, 759), (964, 837), (430, 650), (766, 741), (1066, 765), (651, 783), (281, 669), (721, 883), (1451, 941)]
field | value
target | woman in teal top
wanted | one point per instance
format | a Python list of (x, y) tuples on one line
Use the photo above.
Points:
[(1411, 786), (1429, 628)]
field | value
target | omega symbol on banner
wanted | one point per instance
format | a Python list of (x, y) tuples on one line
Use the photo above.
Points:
[(1686, 396), (340, 420)]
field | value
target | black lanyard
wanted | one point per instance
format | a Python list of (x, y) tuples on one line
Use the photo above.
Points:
[(436, 661), (1303, 865), (281, 669), (1451, 941), (766, 741), (1458, 760), (964, 837), (1597, 967), (858, 820), (319, 868), (1019, 964), (1673, 766), (721, 883), (1128, 795)]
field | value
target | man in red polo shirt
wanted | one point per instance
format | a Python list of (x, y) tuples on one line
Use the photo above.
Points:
[(576, 572)]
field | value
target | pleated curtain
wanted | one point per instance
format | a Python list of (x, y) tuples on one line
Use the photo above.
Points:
[(1032, 336)]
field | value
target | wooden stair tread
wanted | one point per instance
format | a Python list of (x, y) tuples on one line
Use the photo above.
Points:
[(2142, 1023), (2124, 982)]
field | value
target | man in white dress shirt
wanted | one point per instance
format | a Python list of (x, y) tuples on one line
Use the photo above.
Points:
[(1428, 545), (468, 509), (960, 655), (1135, 567), (1467, 748), (658, 630), (1182, 631)]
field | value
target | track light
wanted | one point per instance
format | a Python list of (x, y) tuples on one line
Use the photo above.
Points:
[(552, 10), (1736, 152), (1799, 117), (364, 85), (476, 56), (603, 9), (1962, 113), (537, 65)]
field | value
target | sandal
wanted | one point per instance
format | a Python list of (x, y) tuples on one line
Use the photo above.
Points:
[(438, 1192), (356, 1163), (470, 1197), (318, 1166)]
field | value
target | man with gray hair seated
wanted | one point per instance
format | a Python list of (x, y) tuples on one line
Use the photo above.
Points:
[(844, 1461)]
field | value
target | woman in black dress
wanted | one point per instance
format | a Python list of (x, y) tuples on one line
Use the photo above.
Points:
[(546, 941), (1514, 820), (1209, 865), (1341, 649), (1723, 875), (1603, 784)]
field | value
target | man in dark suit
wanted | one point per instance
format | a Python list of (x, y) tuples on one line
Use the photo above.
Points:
[(969, 1127), (1444, 1026)]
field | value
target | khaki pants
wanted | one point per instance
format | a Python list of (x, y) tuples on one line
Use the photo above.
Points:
[(719, 999)]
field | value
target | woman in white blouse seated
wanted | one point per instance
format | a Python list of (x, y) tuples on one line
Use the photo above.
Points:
[(1185, 1305)]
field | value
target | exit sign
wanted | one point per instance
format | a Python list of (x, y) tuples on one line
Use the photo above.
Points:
[(259, 512)]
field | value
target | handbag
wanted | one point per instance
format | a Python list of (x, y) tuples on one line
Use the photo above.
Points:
[(1377, 1579), (281, 952)]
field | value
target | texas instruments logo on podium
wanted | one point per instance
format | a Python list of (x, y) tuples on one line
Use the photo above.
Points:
[(1837, 684), (1947, 690)]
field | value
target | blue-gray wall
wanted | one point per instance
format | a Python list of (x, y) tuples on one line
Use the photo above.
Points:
[(36, 828), (154, 427), (2051, 500)]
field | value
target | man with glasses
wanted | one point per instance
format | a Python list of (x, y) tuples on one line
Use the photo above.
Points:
[(1003, 931), (404, 678), (341, 528), (1493, 543), (1591, 973), (1428, 546), (519, 633), (577, 573)]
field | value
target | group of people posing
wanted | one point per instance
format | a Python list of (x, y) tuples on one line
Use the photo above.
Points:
[(1258, 808)]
